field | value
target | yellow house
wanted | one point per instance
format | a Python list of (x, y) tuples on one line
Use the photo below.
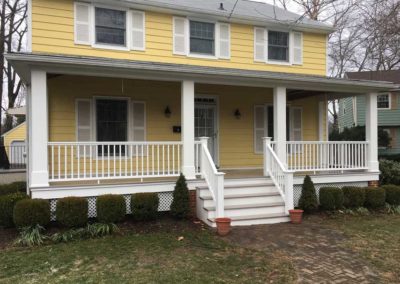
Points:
[(14, 142), (125, 96)]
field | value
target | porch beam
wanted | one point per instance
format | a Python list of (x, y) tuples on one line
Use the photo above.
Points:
[(38, 130), (280, 122), (371, 131), (187, 136)]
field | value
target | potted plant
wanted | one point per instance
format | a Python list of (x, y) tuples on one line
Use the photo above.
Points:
[(296, 216), (223, 226)]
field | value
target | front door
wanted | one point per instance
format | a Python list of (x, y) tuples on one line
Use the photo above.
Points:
[(205, 117)]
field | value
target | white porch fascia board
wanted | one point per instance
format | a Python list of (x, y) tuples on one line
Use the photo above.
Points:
[(338, 178), (106, 67)]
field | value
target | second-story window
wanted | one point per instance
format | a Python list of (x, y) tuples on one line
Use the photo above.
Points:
[(278, 46), (384, 101), (202, 38), (110, 26)]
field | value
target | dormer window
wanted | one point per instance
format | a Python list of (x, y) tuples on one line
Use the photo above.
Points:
[(110, 26), (202, 38), (278, 46)]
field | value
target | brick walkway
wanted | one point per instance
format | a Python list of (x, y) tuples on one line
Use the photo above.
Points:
[(314, 250)]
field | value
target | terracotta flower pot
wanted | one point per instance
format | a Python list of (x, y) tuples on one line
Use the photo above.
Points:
[(223, 226), (296, 216)]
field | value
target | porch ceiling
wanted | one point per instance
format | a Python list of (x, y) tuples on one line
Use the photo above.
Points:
[(96, 66)]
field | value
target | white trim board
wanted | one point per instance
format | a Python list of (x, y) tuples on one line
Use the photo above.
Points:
[(338, 178)]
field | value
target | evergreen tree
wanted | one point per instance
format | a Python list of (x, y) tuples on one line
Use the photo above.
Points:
[(180, 207), (308, 200)]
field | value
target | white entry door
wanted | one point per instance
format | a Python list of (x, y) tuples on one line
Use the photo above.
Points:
[(205, 118)]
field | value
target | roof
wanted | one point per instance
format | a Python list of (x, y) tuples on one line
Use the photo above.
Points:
[(252, 11), (98, 66), (13, 129), (18, 111), (389, 75)]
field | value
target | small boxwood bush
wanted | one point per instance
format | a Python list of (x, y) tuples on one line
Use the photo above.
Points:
[(72, 211), (392, 194), (31, 212), (18, 186), (390, 172), (308, 199), (144, 206), (110, 208), (353, 197), (374, 197), (331, 198), (7, 203), (180, 207)]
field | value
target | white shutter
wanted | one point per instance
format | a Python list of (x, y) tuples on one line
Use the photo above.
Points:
[(180, 28), (260, 44), (138, 30), (296, 124), (83, 110), (82, 20), (224, 40), (259, 127), (139, 121), (297, 48)]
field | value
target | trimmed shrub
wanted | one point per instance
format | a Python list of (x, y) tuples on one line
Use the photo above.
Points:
[(72, 211), (374, 197), (390, 172), (392, 194), (144, 206), (110, 208), (18, 186), (308, 199), (353, 197), (7, 203), (331, 198), (180, 207), (31, 212)]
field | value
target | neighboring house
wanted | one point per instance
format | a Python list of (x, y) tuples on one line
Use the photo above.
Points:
[(352, 109), (121, 96)]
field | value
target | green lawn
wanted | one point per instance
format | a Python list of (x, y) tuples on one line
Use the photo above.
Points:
[(374, 237), (154, 256)]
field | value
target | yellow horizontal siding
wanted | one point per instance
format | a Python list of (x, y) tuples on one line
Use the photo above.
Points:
[(16, 134), (53, 32), (236, 142)]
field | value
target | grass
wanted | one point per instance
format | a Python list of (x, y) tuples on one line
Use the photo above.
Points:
[(144, 257), (374, 237)]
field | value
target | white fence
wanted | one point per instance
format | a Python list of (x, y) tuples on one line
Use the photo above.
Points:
[(70, 161)]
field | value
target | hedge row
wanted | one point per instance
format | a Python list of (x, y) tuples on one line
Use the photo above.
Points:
[(15, 187), (332, 198)]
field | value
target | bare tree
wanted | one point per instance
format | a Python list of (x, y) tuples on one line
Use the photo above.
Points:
[(13, 28)]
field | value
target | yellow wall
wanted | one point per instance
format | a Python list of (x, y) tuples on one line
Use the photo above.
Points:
[(16, 134), (236, 145), (53, 32)]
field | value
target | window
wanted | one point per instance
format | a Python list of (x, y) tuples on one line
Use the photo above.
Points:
[(110, 26), (384, 101), (112, 124), (202, 38), (278, 46)]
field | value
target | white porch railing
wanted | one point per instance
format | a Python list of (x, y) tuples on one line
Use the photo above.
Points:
[(326, 155), (69, 161), (213, 178), (281, 177)]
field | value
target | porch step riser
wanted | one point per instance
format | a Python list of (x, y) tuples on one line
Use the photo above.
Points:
[(249, 211), (260, 221), (242, 190), (246, 181), (247, 200)]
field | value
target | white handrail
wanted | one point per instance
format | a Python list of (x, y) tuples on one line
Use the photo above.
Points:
[(74, 161), (281, 177), (213, 178)]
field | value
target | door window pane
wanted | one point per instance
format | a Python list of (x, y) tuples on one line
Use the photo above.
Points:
[(278, 46), (110, 26), (112, 124), (202, 37)]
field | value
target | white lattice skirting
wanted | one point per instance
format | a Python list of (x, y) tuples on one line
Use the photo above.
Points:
[(165, 200), (297, 188)]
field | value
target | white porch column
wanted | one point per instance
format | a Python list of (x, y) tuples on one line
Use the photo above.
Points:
[(38, 130), (371, 130), (280, 122), (187, 121)]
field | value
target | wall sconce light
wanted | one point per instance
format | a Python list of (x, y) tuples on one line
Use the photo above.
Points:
[(237, 114), (167, 112)]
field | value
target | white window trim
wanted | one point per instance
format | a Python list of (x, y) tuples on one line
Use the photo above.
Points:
[(389, 100)]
